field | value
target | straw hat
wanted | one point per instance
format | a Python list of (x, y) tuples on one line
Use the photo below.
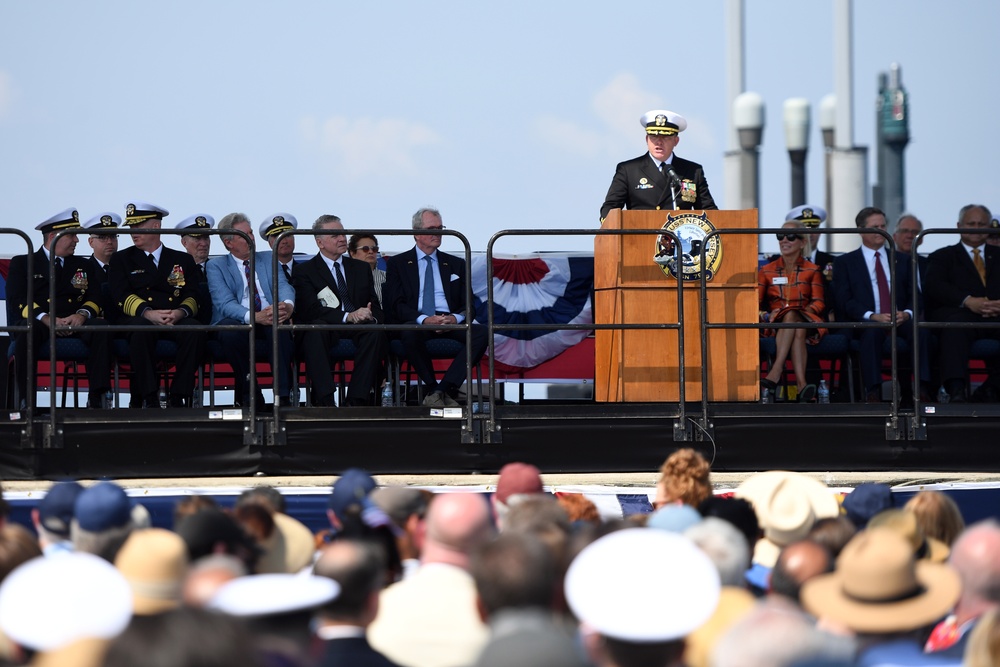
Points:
[(290, 548), (905, 524), (879, 587), (154, 561), (787, 505)]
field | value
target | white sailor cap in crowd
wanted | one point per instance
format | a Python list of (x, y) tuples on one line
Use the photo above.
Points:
[(62, 220), (277, 223), (808, 215), (642, 585), (104, 220), (137, 212), (195, 223), (272, 594), (663, 122), (47, 603)]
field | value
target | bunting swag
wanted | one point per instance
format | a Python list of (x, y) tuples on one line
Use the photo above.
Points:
[(541, 290)]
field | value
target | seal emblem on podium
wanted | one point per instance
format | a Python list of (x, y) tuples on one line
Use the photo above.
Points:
[(692, 231)]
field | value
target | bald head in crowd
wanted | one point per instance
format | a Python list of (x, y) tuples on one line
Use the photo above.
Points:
[(456, 524), (974, 557), (798, 563)]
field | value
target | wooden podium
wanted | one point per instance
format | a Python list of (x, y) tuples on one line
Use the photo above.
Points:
[(641, 365)]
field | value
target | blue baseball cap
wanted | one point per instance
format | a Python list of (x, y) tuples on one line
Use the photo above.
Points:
[(351, 489), (55, 510), (103, 506)]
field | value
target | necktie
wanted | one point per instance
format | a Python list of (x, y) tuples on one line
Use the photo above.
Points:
[(251, 285), (345, 300), (883, 286), (977, 259), (288, 274), (59, 264), (152, 258), (428, 305)]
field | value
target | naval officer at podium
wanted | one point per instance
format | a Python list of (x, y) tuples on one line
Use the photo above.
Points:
[(659, 179)]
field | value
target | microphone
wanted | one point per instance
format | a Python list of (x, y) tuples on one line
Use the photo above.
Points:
[(672, 175)]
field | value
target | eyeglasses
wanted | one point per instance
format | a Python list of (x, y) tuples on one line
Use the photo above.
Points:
[(790, 237), (368, 248), (441, 227)]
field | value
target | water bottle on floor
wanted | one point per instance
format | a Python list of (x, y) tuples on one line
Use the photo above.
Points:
[(823, 392), (387, 395), (163, 398)]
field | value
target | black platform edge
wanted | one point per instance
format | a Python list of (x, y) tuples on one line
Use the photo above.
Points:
[(573, 438)]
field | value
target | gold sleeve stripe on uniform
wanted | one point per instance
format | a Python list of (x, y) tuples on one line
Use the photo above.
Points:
[(24, 311), (93, 307), (132, 305), (192, 305)]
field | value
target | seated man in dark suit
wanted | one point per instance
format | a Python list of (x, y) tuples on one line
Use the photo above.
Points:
[(156, 289), (427, 287), (239, 300), (963, 285), (659, 179), (78, 304), (863, 293), (334, 288)]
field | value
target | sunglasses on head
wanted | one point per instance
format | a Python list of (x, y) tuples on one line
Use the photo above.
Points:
[(790, 237)]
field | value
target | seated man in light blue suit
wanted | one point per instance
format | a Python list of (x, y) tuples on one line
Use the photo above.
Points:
[(237, 300)]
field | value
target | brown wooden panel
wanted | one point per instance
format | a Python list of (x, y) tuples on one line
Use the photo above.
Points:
[(640, 365)]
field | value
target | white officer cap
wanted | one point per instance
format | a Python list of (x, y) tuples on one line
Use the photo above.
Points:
[(271, 594), (668, 586), (47, 603), (808, 215), (195, 223), (663, 122), (103, 220), (137, 212), (277, 223), (61, 220)]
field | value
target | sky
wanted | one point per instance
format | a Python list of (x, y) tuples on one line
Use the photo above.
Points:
[(504, 116)]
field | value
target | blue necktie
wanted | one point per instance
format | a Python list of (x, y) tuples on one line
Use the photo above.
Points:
[(428, 305), (345, 300)]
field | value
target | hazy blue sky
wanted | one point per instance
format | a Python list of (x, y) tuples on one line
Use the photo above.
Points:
[(504, 115)]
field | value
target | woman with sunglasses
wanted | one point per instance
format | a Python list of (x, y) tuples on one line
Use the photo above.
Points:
[(365, 248), (790, 290)]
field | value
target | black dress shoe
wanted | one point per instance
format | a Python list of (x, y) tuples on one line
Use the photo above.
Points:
[(325, 401), (873, 397), (178, 401), (150, 402)]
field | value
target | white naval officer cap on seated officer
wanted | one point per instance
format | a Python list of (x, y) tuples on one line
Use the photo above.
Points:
[(663, 122), (808, 215), (105, 220), (137, 212), (195, 223), (62, 220), (276, 224)]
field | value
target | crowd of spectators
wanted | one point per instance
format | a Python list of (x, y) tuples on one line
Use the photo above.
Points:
[(779, 571)]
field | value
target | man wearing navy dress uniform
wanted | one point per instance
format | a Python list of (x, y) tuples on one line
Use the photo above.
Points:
[(103, 246), (77, 304), (198, 246), (157, 290), (659, 179), (270, 230)]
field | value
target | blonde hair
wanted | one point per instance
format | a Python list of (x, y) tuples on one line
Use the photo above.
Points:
[(983, 649), (685, 477), (937, 515)]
